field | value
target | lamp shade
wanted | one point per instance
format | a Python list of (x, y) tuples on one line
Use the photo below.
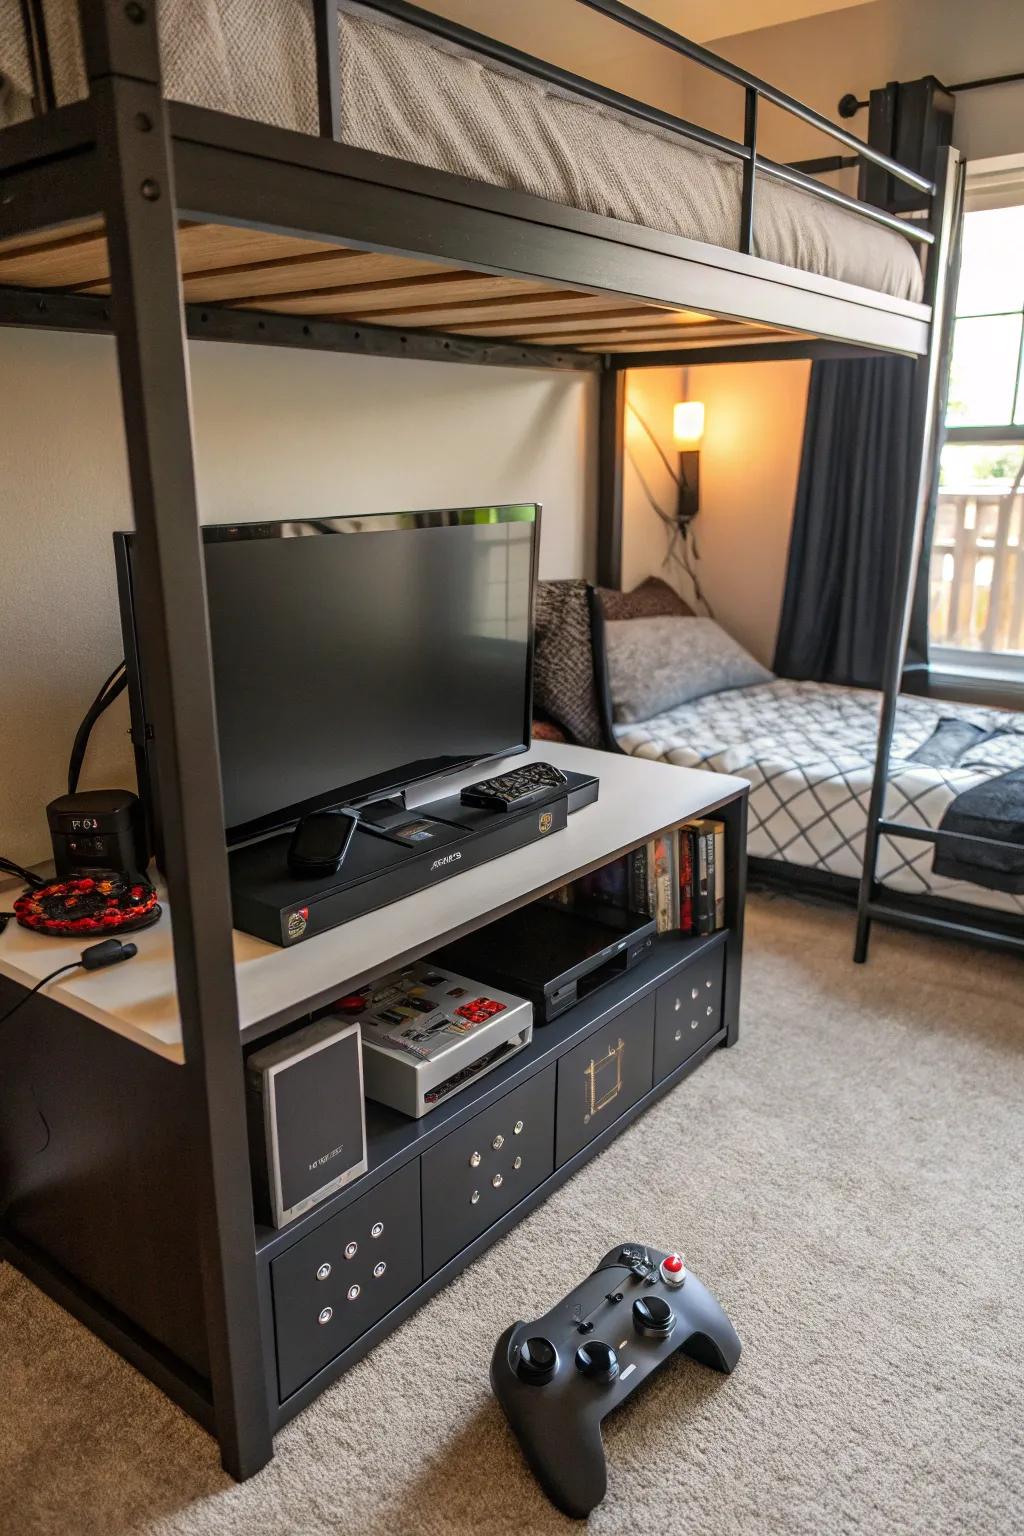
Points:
[(688, 423)]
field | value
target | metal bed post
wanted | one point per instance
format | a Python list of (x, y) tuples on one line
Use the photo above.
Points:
[(137, 191), (611, 426), (929, 372), (328, 68)]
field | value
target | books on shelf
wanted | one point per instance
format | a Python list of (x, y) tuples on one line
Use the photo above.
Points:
[(678, 878)]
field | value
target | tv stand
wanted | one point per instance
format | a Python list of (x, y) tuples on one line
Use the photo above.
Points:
[(104, 1216)]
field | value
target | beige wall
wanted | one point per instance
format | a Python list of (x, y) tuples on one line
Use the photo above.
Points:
[(278, 432), (750, 458), (822, 57)]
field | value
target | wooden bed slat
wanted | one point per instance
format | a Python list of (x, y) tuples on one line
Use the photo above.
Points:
[(395, 294), (285, 274)]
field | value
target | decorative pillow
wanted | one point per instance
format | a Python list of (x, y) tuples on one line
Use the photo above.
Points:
[(655, 664), (652, 599), (564, 688)]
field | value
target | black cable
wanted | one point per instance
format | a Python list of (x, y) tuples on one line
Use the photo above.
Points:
[(93, 958), (9, 867), (115, 684), (72, 966)]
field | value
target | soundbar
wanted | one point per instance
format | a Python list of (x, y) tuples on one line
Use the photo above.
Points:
[(390, 856)]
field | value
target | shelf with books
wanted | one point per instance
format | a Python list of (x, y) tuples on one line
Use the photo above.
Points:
[(679, 878)]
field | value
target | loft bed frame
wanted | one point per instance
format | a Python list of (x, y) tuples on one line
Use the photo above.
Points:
[(128, 213)]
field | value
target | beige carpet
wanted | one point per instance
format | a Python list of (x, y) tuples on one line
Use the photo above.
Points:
[(848, 1180)]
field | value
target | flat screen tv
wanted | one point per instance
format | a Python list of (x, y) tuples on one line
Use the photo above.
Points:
[(355, 656)]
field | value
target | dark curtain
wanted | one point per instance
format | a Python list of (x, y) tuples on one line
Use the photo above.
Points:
[(852, 505)]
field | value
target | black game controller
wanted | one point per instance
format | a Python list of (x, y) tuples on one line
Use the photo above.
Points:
[(557, 1378)]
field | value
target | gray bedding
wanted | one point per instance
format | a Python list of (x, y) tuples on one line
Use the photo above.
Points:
[(422, 100)]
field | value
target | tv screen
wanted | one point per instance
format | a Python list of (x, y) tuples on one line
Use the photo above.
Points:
[(357, 655)]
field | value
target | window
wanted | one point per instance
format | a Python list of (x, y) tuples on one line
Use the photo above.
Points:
[(976, 612)]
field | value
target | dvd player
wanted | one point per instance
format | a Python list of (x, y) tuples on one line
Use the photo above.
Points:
[(551, 953)]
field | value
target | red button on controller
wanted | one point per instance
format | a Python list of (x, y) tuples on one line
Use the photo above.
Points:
[(673, 1269)]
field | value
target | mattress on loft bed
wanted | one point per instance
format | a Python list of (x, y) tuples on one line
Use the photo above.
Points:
[(808, 750), (420, 99)]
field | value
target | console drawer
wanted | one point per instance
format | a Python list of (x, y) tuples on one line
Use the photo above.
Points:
[(688, 1010), (471, 1178), (602, 1077), (349, 1272)]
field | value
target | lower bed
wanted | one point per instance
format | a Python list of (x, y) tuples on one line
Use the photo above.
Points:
[(808, 750), (417, 98)]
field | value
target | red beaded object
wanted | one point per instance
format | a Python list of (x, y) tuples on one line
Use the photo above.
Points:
[(68, 908)]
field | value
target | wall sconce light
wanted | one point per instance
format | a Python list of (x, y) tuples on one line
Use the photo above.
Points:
[(687, 432)]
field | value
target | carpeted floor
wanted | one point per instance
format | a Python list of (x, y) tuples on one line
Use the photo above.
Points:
[(848, 1180)]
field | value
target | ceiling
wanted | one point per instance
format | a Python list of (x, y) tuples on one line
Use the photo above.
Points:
[(703, 22)]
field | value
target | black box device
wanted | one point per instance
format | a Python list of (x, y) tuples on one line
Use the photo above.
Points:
[(307, 1119), (553, 954)]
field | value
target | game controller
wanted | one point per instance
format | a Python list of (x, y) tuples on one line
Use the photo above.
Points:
[(558, 1377)]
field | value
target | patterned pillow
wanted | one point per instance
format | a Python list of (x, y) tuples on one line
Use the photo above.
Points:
[(655, 664), (564, 686), (652, 599)]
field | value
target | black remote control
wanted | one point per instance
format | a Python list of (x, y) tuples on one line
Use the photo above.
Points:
[(519, 787), (558, 1377)]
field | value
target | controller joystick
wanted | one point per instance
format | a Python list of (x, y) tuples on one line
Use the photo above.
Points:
[(555, 1388), (653, 1316), (597, 1360), (537, 1361)]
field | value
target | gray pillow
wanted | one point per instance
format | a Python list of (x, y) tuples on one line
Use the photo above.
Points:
[(655, 664)]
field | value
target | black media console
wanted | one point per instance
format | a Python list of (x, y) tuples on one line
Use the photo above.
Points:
[(434, 1207), (99, 1205)]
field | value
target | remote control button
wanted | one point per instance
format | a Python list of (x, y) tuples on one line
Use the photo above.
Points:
[(597, 1360), (673, 1269), (652, 1315), (537, 1361)]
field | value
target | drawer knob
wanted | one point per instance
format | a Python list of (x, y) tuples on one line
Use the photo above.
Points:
[(325, 1315), (518, 1163), (679, 1034), (475, 1159), (498, 1142), (474, 1197), (497, 1181), (708, 984), (695, 992), (378, 1269), (679, 1004), (517, 1129), (709, 1010), (351, 1249), (694, 1023), (377, 1229), (323, 1271), (353, 1292)]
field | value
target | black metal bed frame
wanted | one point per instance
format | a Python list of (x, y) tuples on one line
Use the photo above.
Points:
[(142, 163)]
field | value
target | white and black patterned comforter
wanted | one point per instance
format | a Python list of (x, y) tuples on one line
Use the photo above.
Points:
[(808, 752)]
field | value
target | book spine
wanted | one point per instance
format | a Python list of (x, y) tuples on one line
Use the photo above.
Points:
[(651, 906), (685, 880), (719, 875), (638, 897), (673, 881), (663, 909), (703, 874)]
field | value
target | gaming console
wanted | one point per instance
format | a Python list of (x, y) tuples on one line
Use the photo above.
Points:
[(558, 1377), (428, 1033), (392, 853), (553, 954)]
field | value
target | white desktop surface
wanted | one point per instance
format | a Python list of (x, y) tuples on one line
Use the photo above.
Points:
[(138, 999)]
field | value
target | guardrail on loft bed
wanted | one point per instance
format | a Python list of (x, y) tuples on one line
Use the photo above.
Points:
[(755, 164)]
